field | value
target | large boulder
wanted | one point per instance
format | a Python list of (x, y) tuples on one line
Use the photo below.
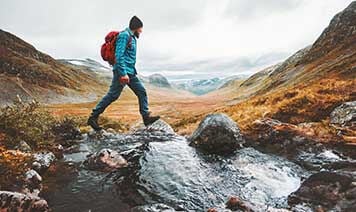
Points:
[(344, 115), (105, 160), (14, 201), (217, 133), (328, 190)]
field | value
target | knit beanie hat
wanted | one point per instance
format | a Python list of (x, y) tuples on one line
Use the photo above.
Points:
[(135, 23)]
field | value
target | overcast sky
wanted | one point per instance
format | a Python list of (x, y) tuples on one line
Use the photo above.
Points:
[(182, 38)]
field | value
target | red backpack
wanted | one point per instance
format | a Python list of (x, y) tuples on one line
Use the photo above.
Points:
[(108, 48)]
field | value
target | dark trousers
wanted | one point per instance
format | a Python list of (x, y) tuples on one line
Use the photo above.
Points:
[(115, 90)]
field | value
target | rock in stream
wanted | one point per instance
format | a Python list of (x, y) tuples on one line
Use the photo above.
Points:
[(217, 133)]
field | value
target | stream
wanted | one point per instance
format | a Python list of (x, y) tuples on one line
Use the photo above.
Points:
[(164, 172)]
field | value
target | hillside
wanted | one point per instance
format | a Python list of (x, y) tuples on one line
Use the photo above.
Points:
[(31, 74), (304, 88)]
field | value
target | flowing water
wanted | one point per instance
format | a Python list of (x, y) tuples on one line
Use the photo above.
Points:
[(163, 168)]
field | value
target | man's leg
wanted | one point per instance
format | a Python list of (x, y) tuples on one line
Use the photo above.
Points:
[(113, 93), (140, 91)]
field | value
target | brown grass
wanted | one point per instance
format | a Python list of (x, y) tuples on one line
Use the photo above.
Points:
[(303, 103)]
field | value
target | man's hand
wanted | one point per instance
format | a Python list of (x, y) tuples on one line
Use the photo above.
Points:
[(124, 80)]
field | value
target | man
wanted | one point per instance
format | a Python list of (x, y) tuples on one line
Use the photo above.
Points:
[(124, 72)]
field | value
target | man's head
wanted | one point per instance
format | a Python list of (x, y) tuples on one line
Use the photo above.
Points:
[(136, 26)]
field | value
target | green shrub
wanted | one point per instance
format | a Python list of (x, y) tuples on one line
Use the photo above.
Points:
[(26, 122), (66, 130)]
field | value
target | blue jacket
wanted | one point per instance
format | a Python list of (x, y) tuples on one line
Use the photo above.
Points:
[(125, 55)]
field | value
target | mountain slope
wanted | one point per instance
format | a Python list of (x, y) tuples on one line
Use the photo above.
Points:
[(304, 88), (29, 73), (309, 84)]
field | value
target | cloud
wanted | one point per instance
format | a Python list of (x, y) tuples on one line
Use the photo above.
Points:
[(256, 9), (202, 36)]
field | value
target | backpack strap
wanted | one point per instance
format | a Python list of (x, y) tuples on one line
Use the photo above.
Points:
[(129, 42)]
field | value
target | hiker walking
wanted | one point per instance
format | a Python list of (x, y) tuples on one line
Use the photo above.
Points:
[(119, 50)]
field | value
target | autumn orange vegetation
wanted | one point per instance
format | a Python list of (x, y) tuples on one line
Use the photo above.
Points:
[(303, 103), (13, 165)]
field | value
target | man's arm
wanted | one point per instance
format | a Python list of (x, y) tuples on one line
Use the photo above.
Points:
[(121, 45)]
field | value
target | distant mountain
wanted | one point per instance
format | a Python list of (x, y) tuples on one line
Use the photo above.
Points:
[(102, 71), (159, 80), (31, 74), (203, 86), (91, 64)]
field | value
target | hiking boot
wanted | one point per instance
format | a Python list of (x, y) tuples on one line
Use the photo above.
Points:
[(93, 122), (148, 120)]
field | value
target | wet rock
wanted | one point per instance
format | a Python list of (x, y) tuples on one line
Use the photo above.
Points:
[(23, 147), (235, 203), (33, 182), (344, 114), (271, 130), (157, 126), (343, 119), (217, 133), (42, 161), (326, 189), (282, 138), (101, 135), (14, 201), (105, 160), (158, 207), (33, 177)]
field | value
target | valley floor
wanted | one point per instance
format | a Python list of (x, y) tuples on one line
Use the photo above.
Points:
[(172, 107)]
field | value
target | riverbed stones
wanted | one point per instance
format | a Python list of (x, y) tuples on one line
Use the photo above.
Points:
[(234, 203), (217, 133), (42, 161), (14, 201), (105, 160), (33, 182), (153, 207)]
